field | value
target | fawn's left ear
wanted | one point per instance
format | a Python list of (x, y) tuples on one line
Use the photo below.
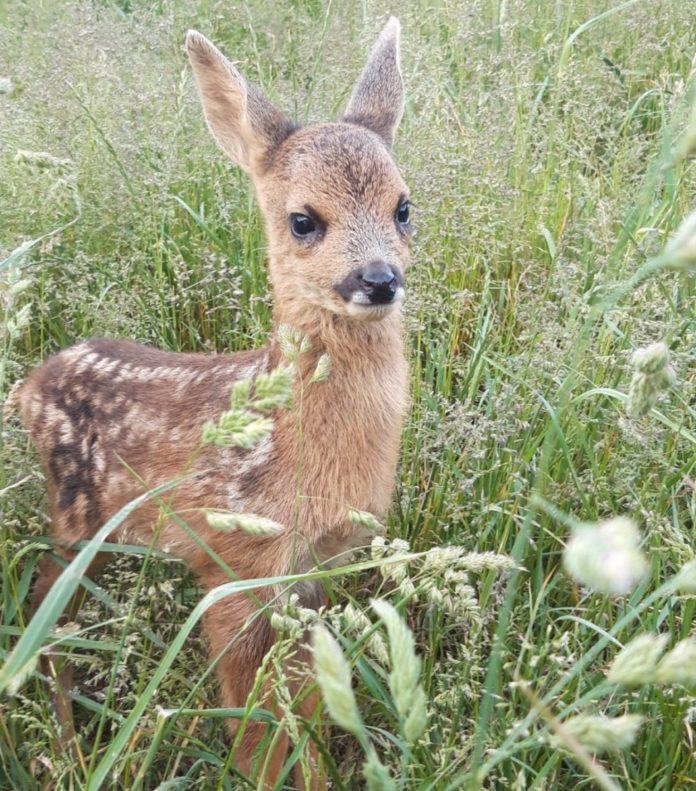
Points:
[(378, 99)]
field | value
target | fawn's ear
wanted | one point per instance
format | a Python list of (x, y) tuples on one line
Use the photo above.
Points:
[(378, 99), (243, 122)]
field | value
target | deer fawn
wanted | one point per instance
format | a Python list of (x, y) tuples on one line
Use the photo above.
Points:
[(111, 418)]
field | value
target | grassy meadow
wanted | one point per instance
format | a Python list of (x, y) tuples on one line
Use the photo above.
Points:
[(547, 146)]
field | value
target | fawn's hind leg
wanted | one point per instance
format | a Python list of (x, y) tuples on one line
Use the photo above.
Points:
[(52, 665)]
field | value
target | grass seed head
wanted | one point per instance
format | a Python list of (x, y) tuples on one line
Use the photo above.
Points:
[(635, 664), (606, 557), (293, 343), (377, 776), (42, 160), (273, 390), (404, 678), (685, 581), (652, 376), (600, 734), (333, 677), (679, 665), (650, 359), (249, 523), (322, 370), (681, 248), (365, 519)]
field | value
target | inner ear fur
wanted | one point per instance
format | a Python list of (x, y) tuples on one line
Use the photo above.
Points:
[(378, 99), (246, 125)]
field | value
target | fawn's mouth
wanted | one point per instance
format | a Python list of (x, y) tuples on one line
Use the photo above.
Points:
[(360, 306)]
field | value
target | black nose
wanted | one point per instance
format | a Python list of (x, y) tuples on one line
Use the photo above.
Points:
[(379, 282)]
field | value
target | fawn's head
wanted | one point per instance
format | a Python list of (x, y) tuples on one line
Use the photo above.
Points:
[(336, 208)]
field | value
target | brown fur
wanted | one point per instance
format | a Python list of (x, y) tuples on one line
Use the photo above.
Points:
[(103, 403)]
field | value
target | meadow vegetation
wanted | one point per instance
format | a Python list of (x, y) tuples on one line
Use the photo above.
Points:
[(548, 148)]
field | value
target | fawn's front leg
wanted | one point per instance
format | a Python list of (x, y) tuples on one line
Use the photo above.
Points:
[(240, 634)]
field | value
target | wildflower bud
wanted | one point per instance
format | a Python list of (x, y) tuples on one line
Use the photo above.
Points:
[(606, 557), (408, 695), (252, 524), (600, 734), (333, 676), (685, 581), (679, 665), (323, 369), (680, 251), (377, 776), (635, 664)]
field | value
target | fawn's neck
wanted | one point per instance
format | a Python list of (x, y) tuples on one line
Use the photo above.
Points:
[(351, 421), (365, 356)]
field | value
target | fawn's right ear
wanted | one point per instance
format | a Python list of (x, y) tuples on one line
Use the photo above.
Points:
[(243, 122)]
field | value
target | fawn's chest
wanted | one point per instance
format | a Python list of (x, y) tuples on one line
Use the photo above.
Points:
[(338, 447)]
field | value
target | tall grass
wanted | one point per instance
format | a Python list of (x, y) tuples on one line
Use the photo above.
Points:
[(542, 143)]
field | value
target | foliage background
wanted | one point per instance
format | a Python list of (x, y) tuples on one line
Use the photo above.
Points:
[(540, 174)]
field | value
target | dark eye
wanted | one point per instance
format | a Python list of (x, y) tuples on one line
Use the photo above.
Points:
[(301, 225), (403, 213)]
